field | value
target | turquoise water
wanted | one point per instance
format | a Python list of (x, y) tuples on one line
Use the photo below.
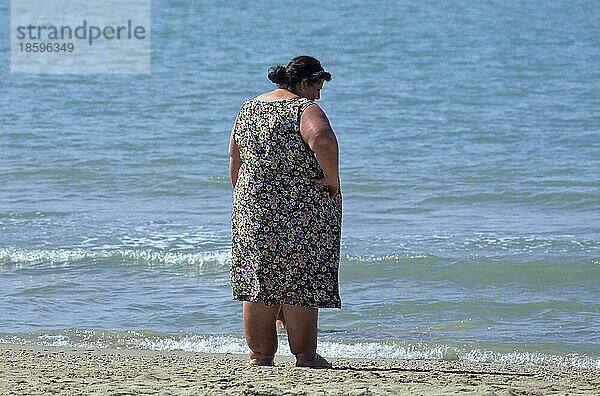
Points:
[(470, 156)]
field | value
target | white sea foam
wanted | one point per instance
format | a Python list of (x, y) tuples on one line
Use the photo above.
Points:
[(235, 343), (205, 262)]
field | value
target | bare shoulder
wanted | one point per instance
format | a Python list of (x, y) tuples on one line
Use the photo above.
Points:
[(313, 114), (314, 124), (265, 96), (274, 95)]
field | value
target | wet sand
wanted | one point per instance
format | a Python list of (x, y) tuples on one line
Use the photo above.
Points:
[(37, 370)]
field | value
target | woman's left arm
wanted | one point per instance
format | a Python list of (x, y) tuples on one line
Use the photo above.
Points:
[(235, 160)]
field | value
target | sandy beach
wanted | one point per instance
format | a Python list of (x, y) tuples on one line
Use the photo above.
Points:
[(37, 370)]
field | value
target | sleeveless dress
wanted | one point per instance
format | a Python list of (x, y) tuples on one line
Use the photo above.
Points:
[(285, 228)]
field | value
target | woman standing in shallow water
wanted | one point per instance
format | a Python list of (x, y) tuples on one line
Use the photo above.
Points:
[(287, 212)]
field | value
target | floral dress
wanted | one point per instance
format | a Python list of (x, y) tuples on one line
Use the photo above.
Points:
[(285, 227)]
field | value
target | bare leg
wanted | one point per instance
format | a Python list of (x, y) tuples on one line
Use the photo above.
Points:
[(259, 328), (301, 326)]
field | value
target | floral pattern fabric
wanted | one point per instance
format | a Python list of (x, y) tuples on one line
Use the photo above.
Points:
[(285, 227)]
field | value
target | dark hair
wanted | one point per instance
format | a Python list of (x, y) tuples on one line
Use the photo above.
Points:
[(299, 68)]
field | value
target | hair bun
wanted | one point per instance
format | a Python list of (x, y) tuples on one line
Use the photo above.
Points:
[(278, 74)]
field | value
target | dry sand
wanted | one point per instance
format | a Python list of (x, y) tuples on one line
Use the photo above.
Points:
[(35, 370)]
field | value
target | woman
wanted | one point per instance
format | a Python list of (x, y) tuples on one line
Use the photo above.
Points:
[(287, 212)]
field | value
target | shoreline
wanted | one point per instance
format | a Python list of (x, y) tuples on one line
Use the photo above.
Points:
[(36, 370)]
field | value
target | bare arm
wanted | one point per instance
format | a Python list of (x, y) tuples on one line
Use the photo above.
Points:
[(234, 158), (317, 133)]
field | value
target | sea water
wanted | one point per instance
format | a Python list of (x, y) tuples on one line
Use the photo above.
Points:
[(469, 138)]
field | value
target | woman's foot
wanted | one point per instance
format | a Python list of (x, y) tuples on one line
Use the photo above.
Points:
[(317, 362), (259, 362), (260, 359)]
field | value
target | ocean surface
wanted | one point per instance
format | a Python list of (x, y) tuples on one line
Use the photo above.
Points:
[(469, 138)]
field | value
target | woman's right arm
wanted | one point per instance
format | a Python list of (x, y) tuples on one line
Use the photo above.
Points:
[(317, 133)]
